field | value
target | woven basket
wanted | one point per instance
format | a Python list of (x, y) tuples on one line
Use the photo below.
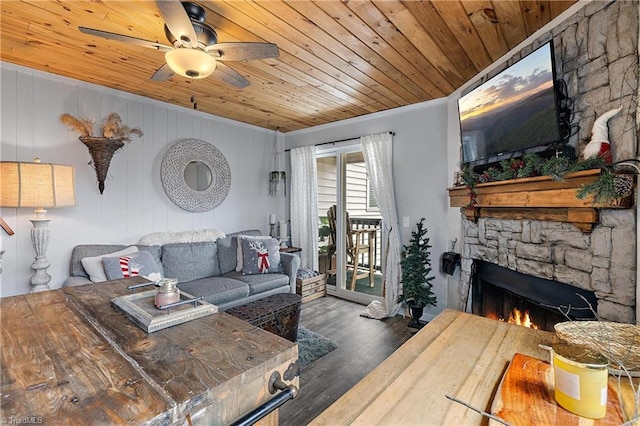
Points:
[(620, 343), (101, 150)]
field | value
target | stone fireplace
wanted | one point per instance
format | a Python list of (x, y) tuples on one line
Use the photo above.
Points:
[(596, 52), (602, 262)]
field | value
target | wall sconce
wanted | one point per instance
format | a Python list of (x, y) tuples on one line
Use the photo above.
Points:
[(37, 185)]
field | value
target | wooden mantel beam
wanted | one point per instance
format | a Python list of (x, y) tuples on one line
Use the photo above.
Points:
[(538, 198)]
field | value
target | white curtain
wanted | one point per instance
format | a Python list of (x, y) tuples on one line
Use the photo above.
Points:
[(304, 205), (378, 158)]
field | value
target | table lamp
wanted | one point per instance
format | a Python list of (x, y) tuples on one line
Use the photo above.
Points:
[(37, 185)]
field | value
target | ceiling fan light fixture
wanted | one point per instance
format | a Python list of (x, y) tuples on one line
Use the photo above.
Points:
[(191, 63)]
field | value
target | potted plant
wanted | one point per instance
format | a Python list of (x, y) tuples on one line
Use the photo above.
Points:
[(416, 270)]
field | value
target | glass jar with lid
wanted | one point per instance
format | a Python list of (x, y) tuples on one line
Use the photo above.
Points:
[(167, 292)]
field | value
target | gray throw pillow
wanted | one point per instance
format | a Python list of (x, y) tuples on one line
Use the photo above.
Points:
[(260, 256), (131, 265), (93, 265), (227, 249), (190, 261)]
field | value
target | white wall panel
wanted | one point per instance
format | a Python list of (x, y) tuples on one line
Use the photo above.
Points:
[(134, 202)]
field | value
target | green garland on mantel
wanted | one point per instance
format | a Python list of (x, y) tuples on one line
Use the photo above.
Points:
[(605, 189)]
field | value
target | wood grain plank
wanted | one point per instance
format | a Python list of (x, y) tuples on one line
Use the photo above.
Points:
[(249, 16), (427, 15), (228, 356), (511, 21), (49, 367), (393, 66), (526, 397), (365, 24), (470, 351), (388, 81), (481, 14), (68, 355), (464, 31), (535, 14), (412, 29), (362, 395)]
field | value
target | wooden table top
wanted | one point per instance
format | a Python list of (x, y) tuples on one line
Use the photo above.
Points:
[(457, 354), (68, 354)]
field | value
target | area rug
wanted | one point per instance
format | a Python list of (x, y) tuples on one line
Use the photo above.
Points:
[(312, 346)]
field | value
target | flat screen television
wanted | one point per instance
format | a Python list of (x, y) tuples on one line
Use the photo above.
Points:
[(514, 112)]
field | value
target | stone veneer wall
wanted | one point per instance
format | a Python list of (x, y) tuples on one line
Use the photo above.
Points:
[(596, 52), (603, 261)]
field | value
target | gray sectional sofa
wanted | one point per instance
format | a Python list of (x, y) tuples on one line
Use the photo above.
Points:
[(206, 268)]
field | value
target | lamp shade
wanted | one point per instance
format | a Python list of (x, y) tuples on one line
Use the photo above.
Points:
[(192, 63), (36, 185)]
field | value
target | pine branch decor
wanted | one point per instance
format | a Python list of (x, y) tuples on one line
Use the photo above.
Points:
[(416, 270)]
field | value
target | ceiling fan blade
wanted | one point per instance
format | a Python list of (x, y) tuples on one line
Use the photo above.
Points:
[(230, 76), (124, 38), (163, 73), (242, 51), (178, 22)]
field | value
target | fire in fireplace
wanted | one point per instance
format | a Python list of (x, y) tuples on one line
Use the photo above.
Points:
[(516, 317), (499, 293)]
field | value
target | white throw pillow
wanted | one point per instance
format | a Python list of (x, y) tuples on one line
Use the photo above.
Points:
[(93, 265), (240, 258)]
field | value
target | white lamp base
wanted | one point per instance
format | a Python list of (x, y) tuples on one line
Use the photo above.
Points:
[(40, 239)]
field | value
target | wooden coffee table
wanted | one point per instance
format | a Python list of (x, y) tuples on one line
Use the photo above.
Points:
[(69, 356)]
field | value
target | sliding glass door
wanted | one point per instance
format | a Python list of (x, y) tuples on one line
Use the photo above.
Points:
[(350, 223)]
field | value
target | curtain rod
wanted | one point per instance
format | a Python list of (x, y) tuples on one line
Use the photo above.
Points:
[(341, 140)]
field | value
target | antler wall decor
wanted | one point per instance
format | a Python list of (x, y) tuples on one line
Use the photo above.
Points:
[(101, 148)]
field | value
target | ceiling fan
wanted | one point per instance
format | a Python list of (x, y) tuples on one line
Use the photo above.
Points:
[(195, 52)]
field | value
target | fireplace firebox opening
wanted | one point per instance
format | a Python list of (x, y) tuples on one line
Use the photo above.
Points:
[(498, 292)]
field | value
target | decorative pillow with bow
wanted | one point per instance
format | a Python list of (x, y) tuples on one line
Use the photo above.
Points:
[(260, 256)]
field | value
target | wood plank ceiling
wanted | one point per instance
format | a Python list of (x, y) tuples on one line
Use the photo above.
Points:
[(338, 59)]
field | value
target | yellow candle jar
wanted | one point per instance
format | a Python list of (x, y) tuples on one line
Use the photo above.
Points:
[(580, 380)]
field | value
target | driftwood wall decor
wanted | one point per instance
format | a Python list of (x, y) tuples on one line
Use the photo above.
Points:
[(101, 148)]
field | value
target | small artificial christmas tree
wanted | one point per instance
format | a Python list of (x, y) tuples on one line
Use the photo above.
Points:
[(416, 268)]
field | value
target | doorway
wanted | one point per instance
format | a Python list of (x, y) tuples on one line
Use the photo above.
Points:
[(350, 237)]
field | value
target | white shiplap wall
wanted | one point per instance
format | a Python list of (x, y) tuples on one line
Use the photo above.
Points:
[(133, 203)]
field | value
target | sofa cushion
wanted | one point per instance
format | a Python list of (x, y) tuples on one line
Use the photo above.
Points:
[(240, 246), (260, 255), (216, 290), (131, 265), (228, 250), (260, 283), (93, 265), (190, 261)]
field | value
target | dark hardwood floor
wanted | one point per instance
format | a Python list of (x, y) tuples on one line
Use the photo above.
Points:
[(363, 343)]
